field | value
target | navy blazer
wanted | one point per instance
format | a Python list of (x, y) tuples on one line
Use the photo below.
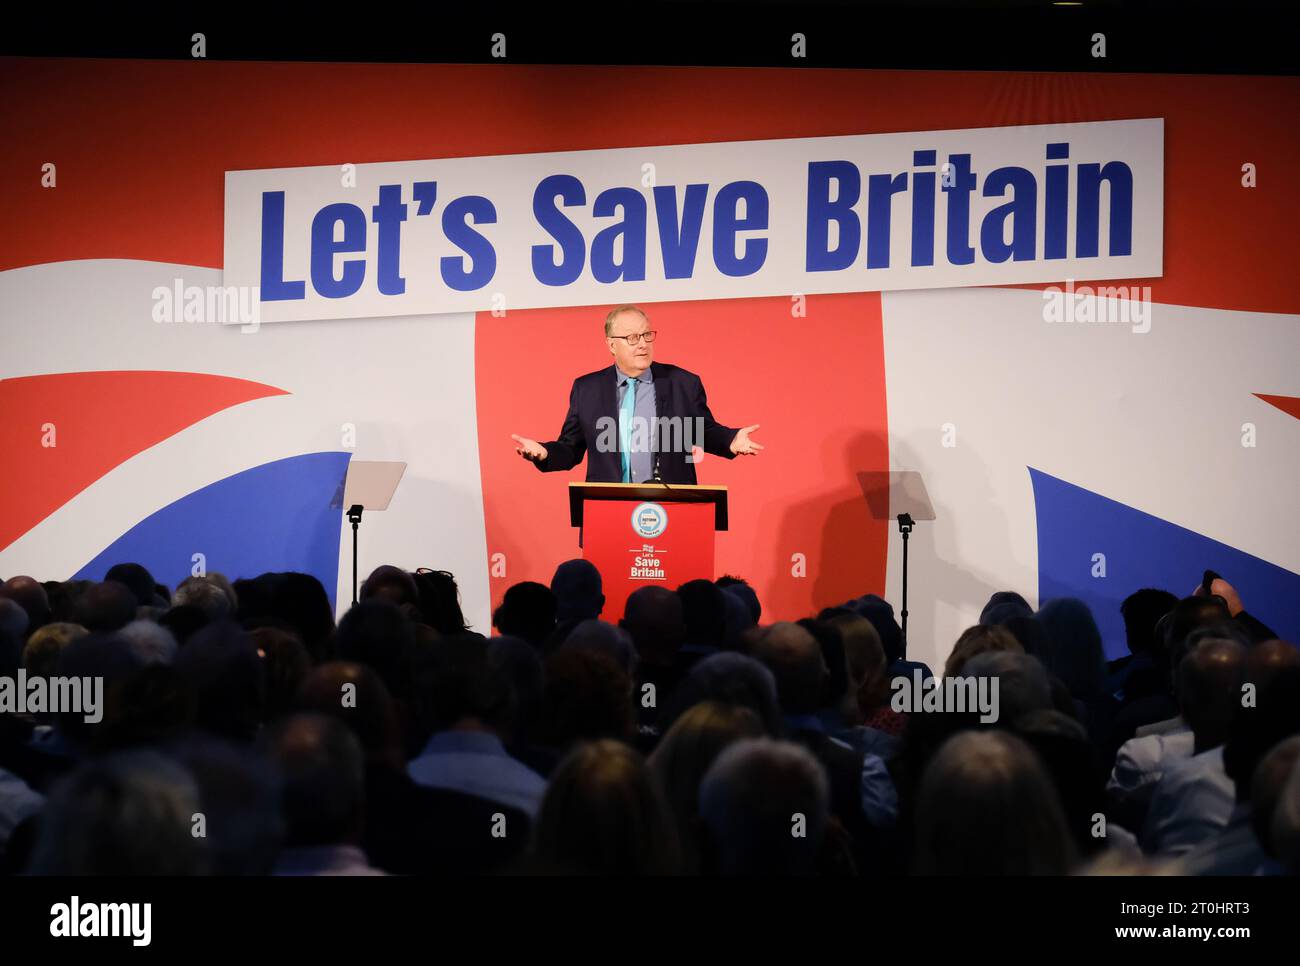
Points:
[(678, 393)]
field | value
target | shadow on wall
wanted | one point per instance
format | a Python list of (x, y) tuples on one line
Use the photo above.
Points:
[(850, 553), (945, 574)]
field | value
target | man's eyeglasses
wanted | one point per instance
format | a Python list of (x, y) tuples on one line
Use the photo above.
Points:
[(636, 337)]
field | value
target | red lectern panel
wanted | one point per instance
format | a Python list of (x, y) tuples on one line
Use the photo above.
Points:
[(633, 544)]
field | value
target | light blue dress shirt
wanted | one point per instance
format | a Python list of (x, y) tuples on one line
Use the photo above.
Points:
[(1192, 802), (1142, 762), (643, 435)]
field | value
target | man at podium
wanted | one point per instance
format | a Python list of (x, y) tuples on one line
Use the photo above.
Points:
[(639, 420)]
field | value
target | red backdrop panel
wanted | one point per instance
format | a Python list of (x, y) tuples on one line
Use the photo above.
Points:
[(799, 528)]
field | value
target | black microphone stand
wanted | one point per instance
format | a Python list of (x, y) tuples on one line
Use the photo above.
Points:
[(655, 477), (905, 525), (354, 515)]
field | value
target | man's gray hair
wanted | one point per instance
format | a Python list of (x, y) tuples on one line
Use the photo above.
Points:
[(752, 798), (124, 814), (604, 638), (615, 313), (205, 594), (149, 641), (1023, 684)]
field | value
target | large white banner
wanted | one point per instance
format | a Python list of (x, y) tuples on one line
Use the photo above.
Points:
[(930, 209)]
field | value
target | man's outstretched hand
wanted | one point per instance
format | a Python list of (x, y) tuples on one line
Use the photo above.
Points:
[(742, 445), (529, 449)]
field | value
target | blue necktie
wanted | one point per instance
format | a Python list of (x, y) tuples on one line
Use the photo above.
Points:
[(625, 428)]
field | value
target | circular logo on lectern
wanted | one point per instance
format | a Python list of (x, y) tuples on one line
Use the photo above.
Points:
[(649, 519)]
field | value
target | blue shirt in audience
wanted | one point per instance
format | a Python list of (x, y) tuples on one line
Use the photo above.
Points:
[(879, 796), (1192, 802), (476, 762)]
